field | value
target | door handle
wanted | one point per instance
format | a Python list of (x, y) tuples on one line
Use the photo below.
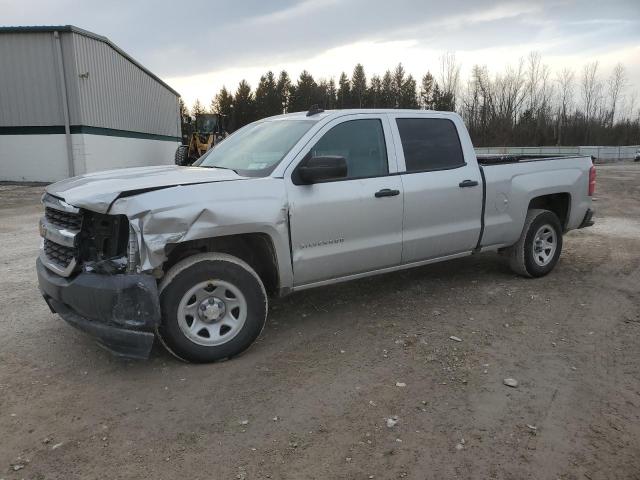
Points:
[(468, 183), (387, 192)]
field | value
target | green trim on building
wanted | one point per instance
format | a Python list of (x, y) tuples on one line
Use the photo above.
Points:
[(112, 132), (33, 130), (84, 129)]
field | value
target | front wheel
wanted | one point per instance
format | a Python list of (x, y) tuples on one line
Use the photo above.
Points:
[(213, 305), (182, 155), (538, 249)]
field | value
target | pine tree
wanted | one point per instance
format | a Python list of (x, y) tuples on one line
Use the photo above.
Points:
[(344, 92), (326, 93), (305, 93), (374, 93), (267, 98), (244, 105), (197, 108), (387, 99), (358, 87), (408, 97), (426, 92), (222, 104), (332, 93), (184, 111), (185, 117), (442, 101), (398, 82), (283, 89), (436, 98)]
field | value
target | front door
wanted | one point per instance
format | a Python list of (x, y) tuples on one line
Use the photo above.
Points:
[(351, 225)]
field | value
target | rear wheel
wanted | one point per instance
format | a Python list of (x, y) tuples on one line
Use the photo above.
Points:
[(213, 305), (538, 249)]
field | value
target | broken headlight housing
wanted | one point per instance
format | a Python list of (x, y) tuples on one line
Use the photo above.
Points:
[(133, 251), (108, 244)]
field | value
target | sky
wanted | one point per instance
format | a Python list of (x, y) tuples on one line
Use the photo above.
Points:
[(199, 46)]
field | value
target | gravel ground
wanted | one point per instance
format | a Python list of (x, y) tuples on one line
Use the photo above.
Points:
[(313, 397)]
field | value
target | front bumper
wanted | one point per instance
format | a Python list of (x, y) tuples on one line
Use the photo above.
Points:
[(121, 311)]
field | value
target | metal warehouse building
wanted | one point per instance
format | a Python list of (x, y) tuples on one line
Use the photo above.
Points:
[(72, 102)]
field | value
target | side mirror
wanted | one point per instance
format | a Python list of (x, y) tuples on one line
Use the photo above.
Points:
[(318, 169)]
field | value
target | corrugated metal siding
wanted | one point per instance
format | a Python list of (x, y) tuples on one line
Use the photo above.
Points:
[(117, 94), (29, 90), (71, 77)]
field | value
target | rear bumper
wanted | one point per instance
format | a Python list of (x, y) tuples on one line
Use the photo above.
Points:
[(587, 221), (120, 311)]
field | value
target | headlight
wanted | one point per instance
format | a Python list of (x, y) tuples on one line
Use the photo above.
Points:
[(133, 251)]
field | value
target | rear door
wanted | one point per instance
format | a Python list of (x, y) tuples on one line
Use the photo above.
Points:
[(442, 191), (352, 225)]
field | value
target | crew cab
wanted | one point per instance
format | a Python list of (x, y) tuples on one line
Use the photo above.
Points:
[(191, 255)]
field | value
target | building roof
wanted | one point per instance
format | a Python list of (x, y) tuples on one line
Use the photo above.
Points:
[(86, 33)]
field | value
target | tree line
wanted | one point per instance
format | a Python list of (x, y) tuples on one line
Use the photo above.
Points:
[(525, 105)]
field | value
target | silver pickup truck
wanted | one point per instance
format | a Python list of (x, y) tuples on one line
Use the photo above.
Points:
[(190, 255)]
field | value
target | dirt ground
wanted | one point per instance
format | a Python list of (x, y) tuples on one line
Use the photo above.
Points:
[(311, 399)]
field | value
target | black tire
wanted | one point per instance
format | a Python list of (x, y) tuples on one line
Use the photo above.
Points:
[(522, 254), (181, 157), (212, 267)]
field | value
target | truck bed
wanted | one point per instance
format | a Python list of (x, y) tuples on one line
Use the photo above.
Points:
[(511, 181), (489, 159)]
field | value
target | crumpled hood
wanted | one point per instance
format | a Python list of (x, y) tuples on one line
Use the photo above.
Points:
[(97, 191)]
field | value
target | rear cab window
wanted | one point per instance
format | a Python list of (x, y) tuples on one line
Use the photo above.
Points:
[(430, 144)]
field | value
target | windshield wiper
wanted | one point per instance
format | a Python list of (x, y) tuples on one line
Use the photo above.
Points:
[(222, 168)]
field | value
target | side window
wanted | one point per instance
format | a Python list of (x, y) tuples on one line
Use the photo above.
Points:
[(430, 144), (361, 143)]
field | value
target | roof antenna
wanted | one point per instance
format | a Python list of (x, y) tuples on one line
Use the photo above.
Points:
[(315, 109)]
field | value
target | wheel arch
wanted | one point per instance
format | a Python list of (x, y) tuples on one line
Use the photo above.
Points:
[(256, 249), (558, 203)]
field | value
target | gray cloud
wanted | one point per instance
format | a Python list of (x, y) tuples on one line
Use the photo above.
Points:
[(175, 39)]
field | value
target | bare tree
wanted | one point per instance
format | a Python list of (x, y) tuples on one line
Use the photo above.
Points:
[(591, 89), (591, 96), (538, 91), (449, 76), (616, 85), (478, 103), (510, 91), (546, 91), (630, 108), (565, 81), (533, 80)]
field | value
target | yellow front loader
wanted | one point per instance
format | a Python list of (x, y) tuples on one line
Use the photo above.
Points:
[(199, 139)]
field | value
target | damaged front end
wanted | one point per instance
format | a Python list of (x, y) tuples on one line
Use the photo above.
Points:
[(108, 244), (88, 272)]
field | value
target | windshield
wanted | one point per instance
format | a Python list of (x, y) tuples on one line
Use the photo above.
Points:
[(206, 123), (256, 149)]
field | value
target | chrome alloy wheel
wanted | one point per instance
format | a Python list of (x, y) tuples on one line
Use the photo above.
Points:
[(545, 244), (212, 313)]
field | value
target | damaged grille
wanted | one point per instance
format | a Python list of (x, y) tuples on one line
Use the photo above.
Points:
[(59, 254), (77, 239), (60, 229), (68, 220)]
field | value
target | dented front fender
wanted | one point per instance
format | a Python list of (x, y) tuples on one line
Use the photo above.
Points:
[(191, 212)]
